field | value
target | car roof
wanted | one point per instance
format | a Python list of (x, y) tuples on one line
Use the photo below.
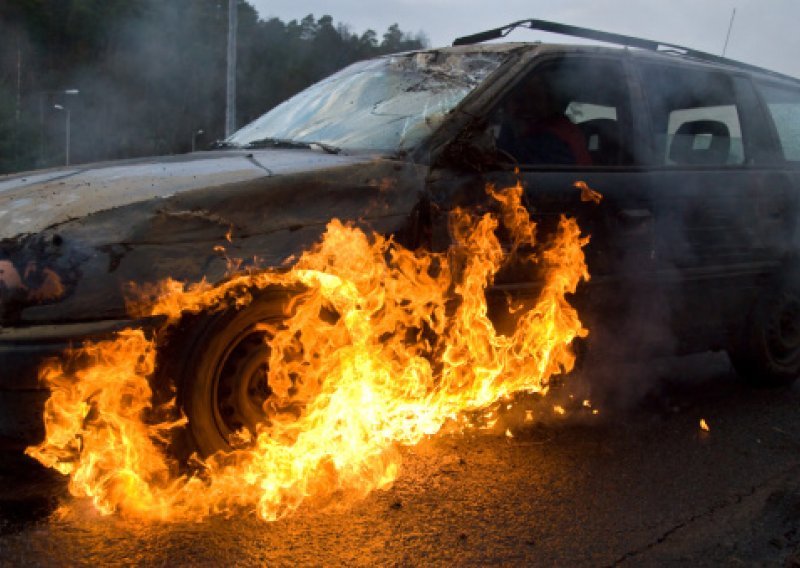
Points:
[(660, 56)]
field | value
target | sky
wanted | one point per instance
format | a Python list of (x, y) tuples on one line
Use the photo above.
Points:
[(765, 32)]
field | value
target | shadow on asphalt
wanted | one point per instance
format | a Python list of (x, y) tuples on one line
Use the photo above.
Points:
[(30, 492)]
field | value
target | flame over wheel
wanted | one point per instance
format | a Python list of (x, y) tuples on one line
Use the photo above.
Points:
[(299, 385), (223, 384)]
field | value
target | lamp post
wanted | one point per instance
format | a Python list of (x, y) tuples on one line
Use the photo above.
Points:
[(42, 95), (59, 107), (230, 83), (194, 137)]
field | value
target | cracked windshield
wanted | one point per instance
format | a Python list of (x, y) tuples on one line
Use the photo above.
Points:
[(390, 104)]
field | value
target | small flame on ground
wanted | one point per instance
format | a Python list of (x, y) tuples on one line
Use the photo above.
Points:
[(704, 425), (412, 349)]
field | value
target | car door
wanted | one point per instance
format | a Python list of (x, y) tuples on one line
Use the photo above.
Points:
[(714, 193), (591, 104), (778, 200)]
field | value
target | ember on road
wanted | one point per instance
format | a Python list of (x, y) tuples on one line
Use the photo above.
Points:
[(639, 486)]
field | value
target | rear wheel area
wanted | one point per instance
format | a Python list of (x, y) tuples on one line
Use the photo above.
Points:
[(766, 351)]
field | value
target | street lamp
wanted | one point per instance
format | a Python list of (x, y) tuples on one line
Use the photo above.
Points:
[(230, 83), (194, 137), (59, 107), (42, 95)]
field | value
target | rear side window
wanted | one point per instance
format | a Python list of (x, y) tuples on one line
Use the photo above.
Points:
[(694, 116), (784, 106)]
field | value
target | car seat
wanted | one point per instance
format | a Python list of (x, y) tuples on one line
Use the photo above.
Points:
[(691, 144)]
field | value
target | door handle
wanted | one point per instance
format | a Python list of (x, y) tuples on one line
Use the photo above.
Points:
[(636, 221)]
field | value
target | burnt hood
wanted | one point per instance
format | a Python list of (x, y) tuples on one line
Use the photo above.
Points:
[(33, 201), (72, 241)]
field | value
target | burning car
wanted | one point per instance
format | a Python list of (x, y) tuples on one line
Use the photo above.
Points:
[(693, 243)]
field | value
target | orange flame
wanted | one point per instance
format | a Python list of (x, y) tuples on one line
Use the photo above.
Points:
[(412, 348), (587, 193)]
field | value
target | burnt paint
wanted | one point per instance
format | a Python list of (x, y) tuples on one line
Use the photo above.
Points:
[(183, 232)]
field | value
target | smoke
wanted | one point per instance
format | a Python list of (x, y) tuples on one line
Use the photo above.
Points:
[(151, 74)]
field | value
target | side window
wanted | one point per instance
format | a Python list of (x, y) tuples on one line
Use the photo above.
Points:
[(694, 116), (567, 112), (784, 106)]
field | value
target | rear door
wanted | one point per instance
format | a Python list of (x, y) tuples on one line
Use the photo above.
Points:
[(718, 200), (779, 212)]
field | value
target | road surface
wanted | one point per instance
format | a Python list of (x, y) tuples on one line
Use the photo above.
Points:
[(639, 485)]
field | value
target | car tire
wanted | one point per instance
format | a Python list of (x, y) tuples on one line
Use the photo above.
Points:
[(766, 352), (217, 361)]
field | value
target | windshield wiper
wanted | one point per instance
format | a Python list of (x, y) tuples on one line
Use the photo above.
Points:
[(222, 144), (285, 143)]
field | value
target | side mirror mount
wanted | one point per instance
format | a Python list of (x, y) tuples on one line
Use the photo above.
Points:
[(475, 148)]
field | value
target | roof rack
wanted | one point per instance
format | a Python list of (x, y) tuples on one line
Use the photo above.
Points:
[(607, 37)]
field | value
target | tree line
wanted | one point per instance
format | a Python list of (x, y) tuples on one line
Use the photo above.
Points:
[(150, 74)]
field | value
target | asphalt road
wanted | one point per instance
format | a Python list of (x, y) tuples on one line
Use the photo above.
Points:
[(641, 485)]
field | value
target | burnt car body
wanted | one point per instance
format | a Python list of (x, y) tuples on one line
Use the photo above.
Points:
[(693, 245)]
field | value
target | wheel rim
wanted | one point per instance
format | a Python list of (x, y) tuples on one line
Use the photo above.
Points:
[(783, 332), (240, 387)]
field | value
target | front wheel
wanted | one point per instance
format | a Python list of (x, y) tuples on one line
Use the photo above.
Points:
[(219, 363), (767, 350)]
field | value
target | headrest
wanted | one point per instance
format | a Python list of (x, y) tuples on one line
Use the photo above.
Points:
[(701, 142)]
